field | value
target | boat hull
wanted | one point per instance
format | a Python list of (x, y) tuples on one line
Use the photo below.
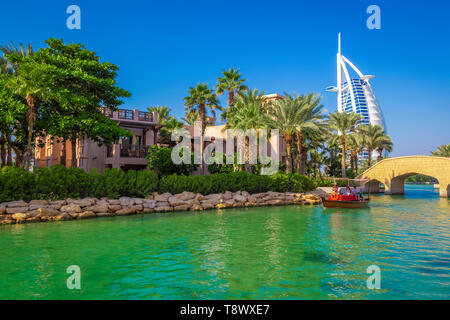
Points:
[(344, 204)]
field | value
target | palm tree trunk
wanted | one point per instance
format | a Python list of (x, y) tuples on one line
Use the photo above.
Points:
[(380, 154), (64, 152), (9, 161), (369, 158), (356, 164), (230, 99), (247, 166), (155, 137), (73, 162), (300, 165), (202, 117), (30, 118), (288, 138), (2, 151), (343, 158)]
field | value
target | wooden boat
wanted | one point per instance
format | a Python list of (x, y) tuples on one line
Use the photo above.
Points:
[(344, 204), (346, 201)]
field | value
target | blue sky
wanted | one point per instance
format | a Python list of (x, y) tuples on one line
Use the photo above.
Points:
[(164, 47)]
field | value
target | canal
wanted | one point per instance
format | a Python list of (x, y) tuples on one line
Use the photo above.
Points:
[(291, 252)]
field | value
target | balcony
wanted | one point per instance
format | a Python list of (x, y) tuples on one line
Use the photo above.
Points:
[(131, 116), (130, 151), (133, 151)]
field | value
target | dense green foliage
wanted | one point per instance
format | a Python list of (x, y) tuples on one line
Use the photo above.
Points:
[(442, 151), (420, 178), (160, 160), (59, 182), (57, 91), (235, 181)]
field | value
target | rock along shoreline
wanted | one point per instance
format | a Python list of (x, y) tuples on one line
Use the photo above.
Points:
[(15, 212)]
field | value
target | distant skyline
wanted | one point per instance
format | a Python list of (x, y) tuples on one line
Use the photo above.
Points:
[(163, 48)]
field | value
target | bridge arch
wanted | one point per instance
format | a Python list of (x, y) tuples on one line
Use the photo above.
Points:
[(392, 172)]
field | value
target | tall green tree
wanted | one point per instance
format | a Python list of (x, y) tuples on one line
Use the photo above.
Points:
[(355, 145), (199, 99), (248, 113), (163, 117), (384, 143), (231, 81), (344, 124), (309, 118), (373, 135), (8, 67), (442, 151), (64, 87), (285, 115)]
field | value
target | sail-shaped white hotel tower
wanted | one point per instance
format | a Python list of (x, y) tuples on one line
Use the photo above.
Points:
[(356, 95)]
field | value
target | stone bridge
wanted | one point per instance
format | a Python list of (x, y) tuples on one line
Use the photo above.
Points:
[(392, 172)]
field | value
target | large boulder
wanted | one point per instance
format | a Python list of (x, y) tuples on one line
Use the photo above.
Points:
[(20, 217), (126, 201), (97, 208), (114, 207), (163, 209), (175, 201), (71, 207), (162, 197), (16, 204), (86, 215), (239, 198), (149, 204), (183, 207), (36, 204), (137, 200), (63, 217), (114, 202), (86, 202), (48, 212), (16, 210), (2, 209), (186, 195)]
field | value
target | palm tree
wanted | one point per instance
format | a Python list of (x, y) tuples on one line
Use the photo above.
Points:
[(191, 118), (383, 143), (309, 119), (199, 99), (231, 82), (163, 116), (285, 113), (372, 136), (442, 151), (10, 67), (355, 145), (344, 123), (247, 113)]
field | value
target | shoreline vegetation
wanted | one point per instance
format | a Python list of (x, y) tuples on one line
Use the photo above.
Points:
[(58, 193), (16, 212)]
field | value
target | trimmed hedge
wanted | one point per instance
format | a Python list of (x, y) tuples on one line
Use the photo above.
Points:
[(221, 182), (59, 182)]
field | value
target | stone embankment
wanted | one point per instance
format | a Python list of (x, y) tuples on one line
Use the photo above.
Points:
[(61, 210)]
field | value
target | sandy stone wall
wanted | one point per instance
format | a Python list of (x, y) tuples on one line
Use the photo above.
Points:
[(61, 210)]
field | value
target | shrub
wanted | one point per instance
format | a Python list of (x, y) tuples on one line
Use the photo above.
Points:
[(59, 182), (160, 160), (235, 181)]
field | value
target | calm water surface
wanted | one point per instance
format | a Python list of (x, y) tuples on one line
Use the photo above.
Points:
[(259, 253)]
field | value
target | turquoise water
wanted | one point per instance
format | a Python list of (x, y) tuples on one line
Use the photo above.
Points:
[(292, 252)]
